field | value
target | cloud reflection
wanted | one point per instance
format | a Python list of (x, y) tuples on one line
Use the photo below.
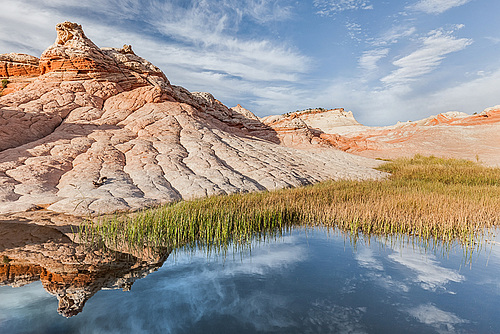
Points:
[(197, 293), (366, 259), (429, 274), (442, 321)]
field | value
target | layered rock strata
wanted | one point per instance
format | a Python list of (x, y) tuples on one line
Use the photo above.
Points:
[(103, 130), (17, 70)]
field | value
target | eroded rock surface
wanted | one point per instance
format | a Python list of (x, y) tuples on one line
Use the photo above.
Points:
[(103, 130)]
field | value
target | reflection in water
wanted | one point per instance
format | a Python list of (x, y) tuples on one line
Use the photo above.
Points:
[(305, 282), (443, 322), (427, 270), (31, 253)]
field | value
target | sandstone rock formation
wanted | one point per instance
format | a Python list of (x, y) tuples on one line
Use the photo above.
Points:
[(324, 120), (16, 71), (103, 130), (451, 134), (305, 129)]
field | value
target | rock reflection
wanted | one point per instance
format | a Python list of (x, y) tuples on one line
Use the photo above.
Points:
[(71, 272)]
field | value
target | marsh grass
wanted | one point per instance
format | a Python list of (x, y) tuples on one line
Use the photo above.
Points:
[(426, 198)]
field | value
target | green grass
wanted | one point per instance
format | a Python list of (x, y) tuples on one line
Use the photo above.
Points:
[(425, 197)]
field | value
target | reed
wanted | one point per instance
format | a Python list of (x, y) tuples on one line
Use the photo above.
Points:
[(424, 197)]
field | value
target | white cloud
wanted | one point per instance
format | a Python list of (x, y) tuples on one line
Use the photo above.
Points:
[(437, 6), (393, 35), (441, 321), (368, 60), (26, 36), (354, 30), (386, 105), (332, 7), (375, 271), (429, 56), (199, 46)]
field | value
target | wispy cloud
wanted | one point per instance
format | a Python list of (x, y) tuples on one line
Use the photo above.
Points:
[(354, 30), (200, 290), (481, 91), (399, 102), (375, 271), (247, 51), (332, 7), (433, 49), (368, 60), (494, 40), (26, 36), (393, 35), (437, 6)]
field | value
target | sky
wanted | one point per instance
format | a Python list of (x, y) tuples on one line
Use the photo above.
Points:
[(386, 60)]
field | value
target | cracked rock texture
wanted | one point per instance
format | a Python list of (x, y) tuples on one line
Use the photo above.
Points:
[(96, 131)]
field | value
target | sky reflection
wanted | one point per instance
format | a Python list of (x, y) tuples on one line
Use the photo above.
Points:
[(311, 282)]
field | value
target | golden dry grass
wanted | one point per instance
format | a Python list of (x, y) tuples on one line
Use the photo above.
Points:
[(427, 197)]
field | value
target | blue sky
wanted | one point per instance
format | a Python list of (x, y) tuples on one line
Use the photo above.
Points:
[(387, 61)]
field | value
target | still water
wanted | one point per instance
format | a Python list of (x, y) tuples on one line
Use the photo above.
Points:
[(313, 281)]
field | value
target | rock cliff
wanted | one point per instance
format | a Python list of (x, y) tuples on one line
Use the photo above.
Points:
[(95, 130)]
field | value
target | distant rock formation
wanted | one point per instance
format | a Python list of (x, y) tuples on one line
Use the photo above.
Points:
[(320, 119), (96, 130), (301, 129), (451, 134)]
